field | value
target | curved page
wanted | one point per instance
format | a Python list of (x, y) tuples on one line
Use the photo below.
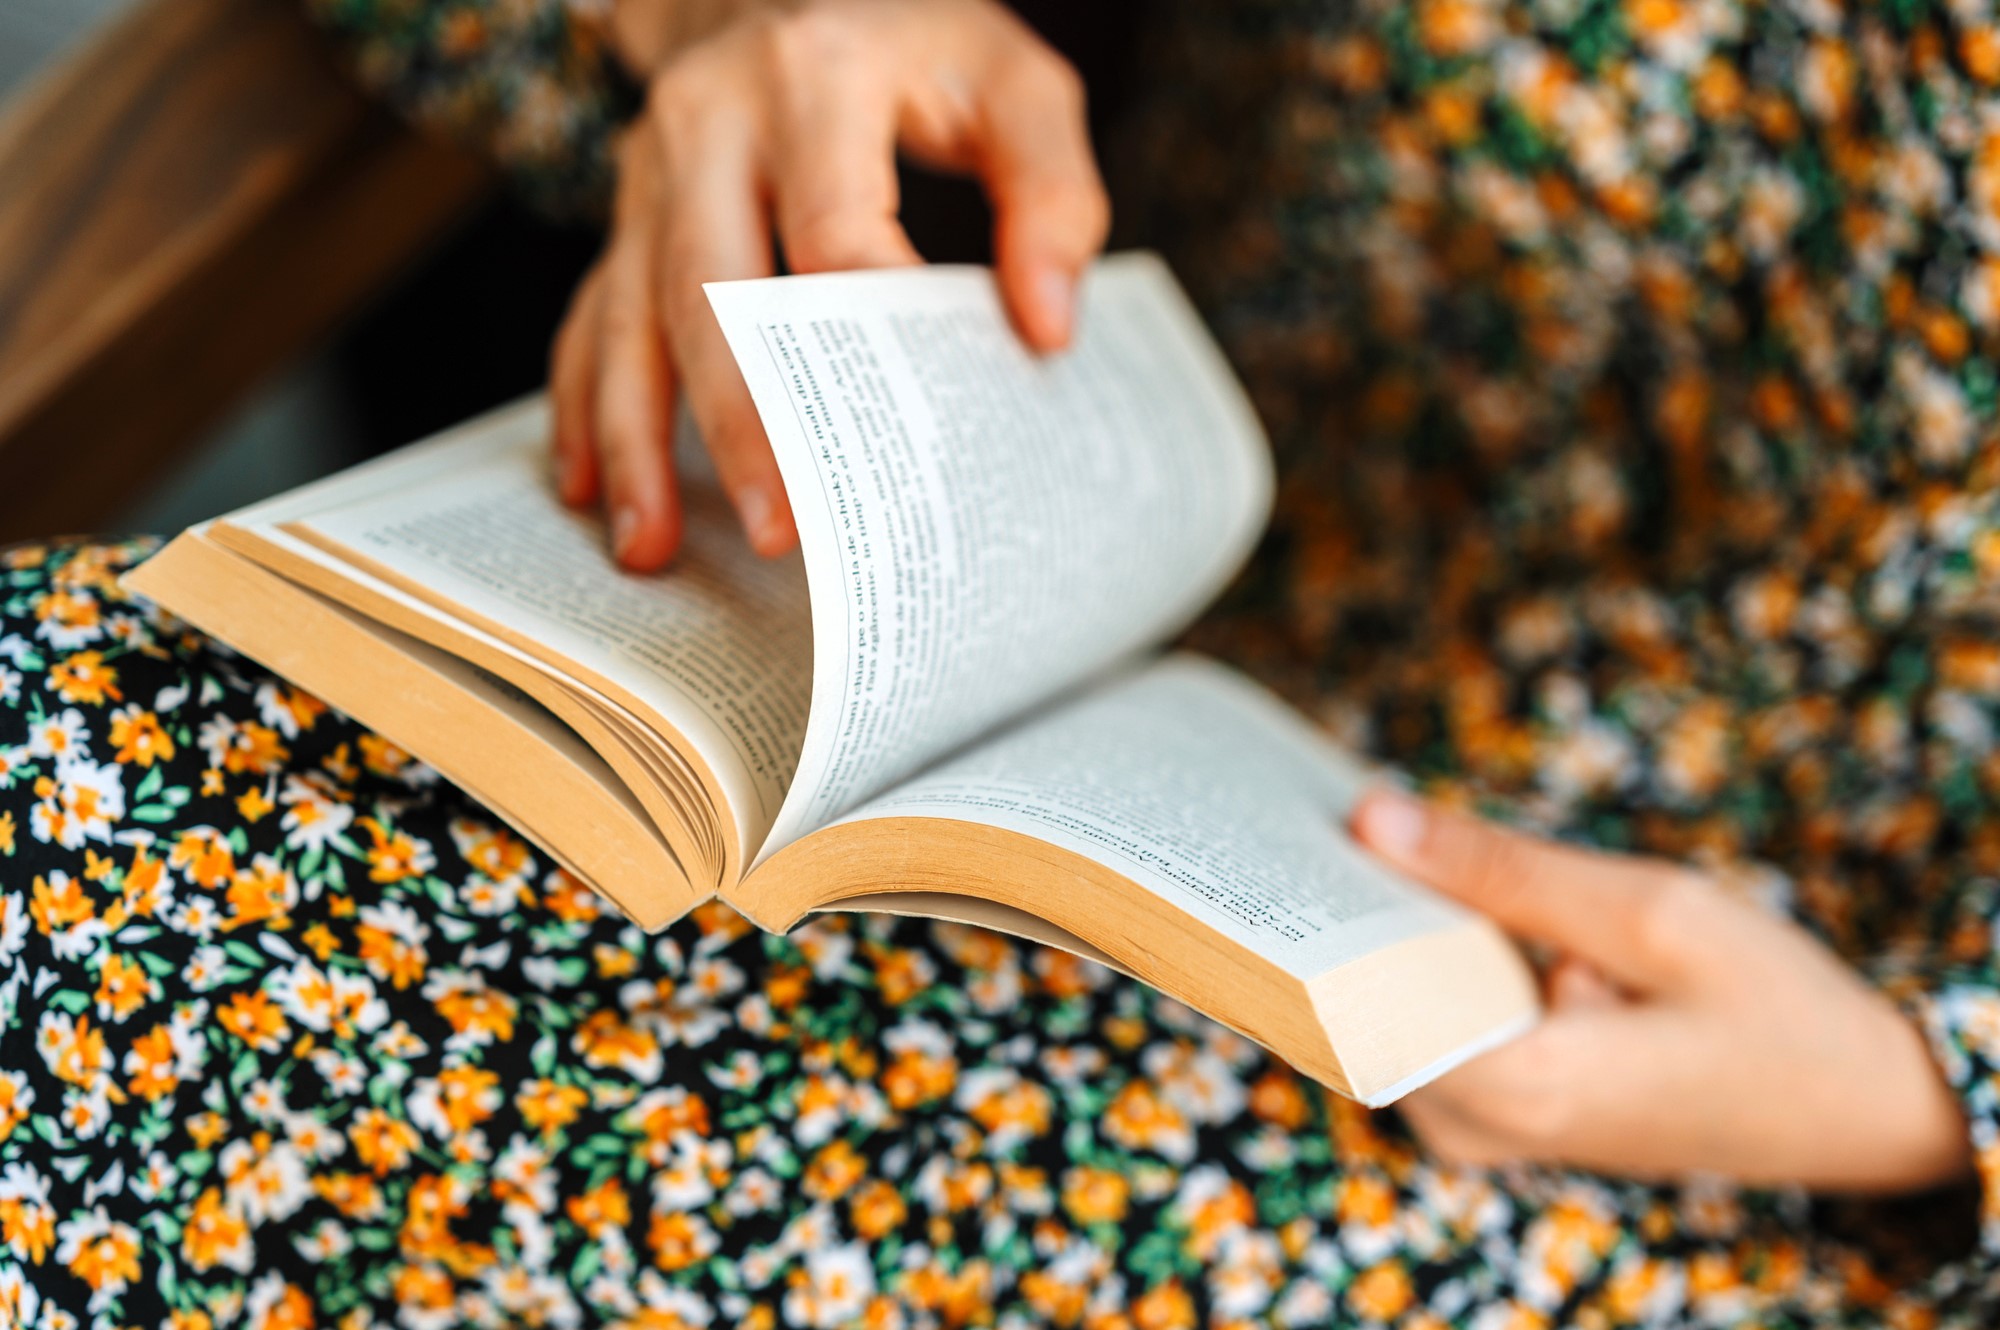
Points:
[(983, 527), (715, 649)]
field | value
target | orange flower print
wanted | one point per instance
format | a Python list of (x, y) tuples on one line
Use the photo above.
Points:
[(353, 1195), (605, 1040), (83, 802), (84, 678), (16, 1097), (476, 1013), (877, 1209), (382, 1065), (382, 757), (100, 1251), (902, 973), (146, 886), (570, 900), (263, 891), (603, 1207), (237, 746), (1139, 1119), (1278, 1098), (924, 1067), (394, 855), (1010, 1108), (381, 1143), (1211, 1207), (316, 811), (1694, 752), (1095, 1195), (123, 986), (254, 804), (679, 1240), (286, 709), (833, 1288), (391, 939), (336, 1002), (833, 1172), (547, 1107), (58, 904), (276, 1304), (1057, 1301), (203, 854), (152, 1064), (73, 1049), (490, 850), (254, 1019), (215, 1235), (456, 1100), (1382, 1292), (1457, 27), (27, 1220), (1165, 1306), (1971, 665), (140, 737), (68, 620)]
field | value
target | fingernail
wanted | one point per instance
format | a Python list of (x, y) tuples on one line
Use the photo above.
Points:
[(624, 530), (1055, 292), (1393, 823), (754, 506)]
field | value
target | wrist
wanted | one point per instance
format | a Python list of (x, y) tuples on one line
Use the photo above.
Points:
[(1929, 1139)]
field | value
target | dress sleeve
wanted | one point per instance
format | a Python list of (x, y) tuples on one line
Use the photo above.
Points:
[(1951, 985), (531, 84)]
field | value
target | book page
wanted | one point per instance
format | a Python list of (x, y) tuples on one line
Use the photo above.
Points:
[(1195, 784), (983, 527), (717, 648)]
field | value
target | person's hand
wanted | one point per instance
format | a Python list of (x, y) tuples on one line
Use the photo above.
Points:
[(782, 122), (1687, 1031)]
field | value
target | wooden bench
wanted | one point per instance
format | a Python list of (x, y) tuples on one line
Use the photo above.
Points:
[(186, 204)]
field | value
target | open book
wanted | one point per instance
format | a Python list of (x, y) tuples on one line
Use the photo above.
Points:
[(943, 705)]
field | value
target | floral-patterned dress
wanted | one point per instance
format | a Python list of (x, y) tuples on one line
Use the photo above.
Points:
[(1635, 370)]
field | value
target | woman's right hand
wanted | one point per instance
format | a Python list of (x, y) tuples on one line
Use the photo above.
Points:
[(770, 124)]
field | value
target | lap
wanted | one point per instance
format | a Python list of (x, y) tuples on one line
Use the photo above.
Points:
[(295, 1029)]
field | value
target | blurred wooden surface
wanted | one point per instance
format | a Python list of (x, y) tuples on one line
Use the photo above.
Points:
[(185, 204)]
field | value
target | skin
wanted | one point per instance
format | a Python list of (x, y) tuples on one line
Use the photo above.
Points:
[(775, 128), (1686, 1031)]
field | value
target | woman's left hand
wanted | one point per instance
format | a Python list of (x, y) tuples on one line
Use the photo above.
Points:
[(1687, 1031)]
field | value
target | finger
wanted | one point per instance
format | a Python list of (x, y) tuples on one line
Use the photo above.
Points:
[(718, 230), (1629, 1073), (1636, 919), (572, 392), (1602, 1087), (634, 400), (1051, 212), (1574, 983), (1538, 1097), (1451, 1138), (834, 179)]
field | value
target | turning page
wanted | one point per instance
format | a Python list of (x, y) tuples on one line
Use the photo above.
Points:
[(983, 527)]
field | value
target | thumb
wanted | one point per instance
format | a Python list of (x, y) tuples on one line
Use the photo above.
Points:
[(1604, 908), (1573, 984)]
